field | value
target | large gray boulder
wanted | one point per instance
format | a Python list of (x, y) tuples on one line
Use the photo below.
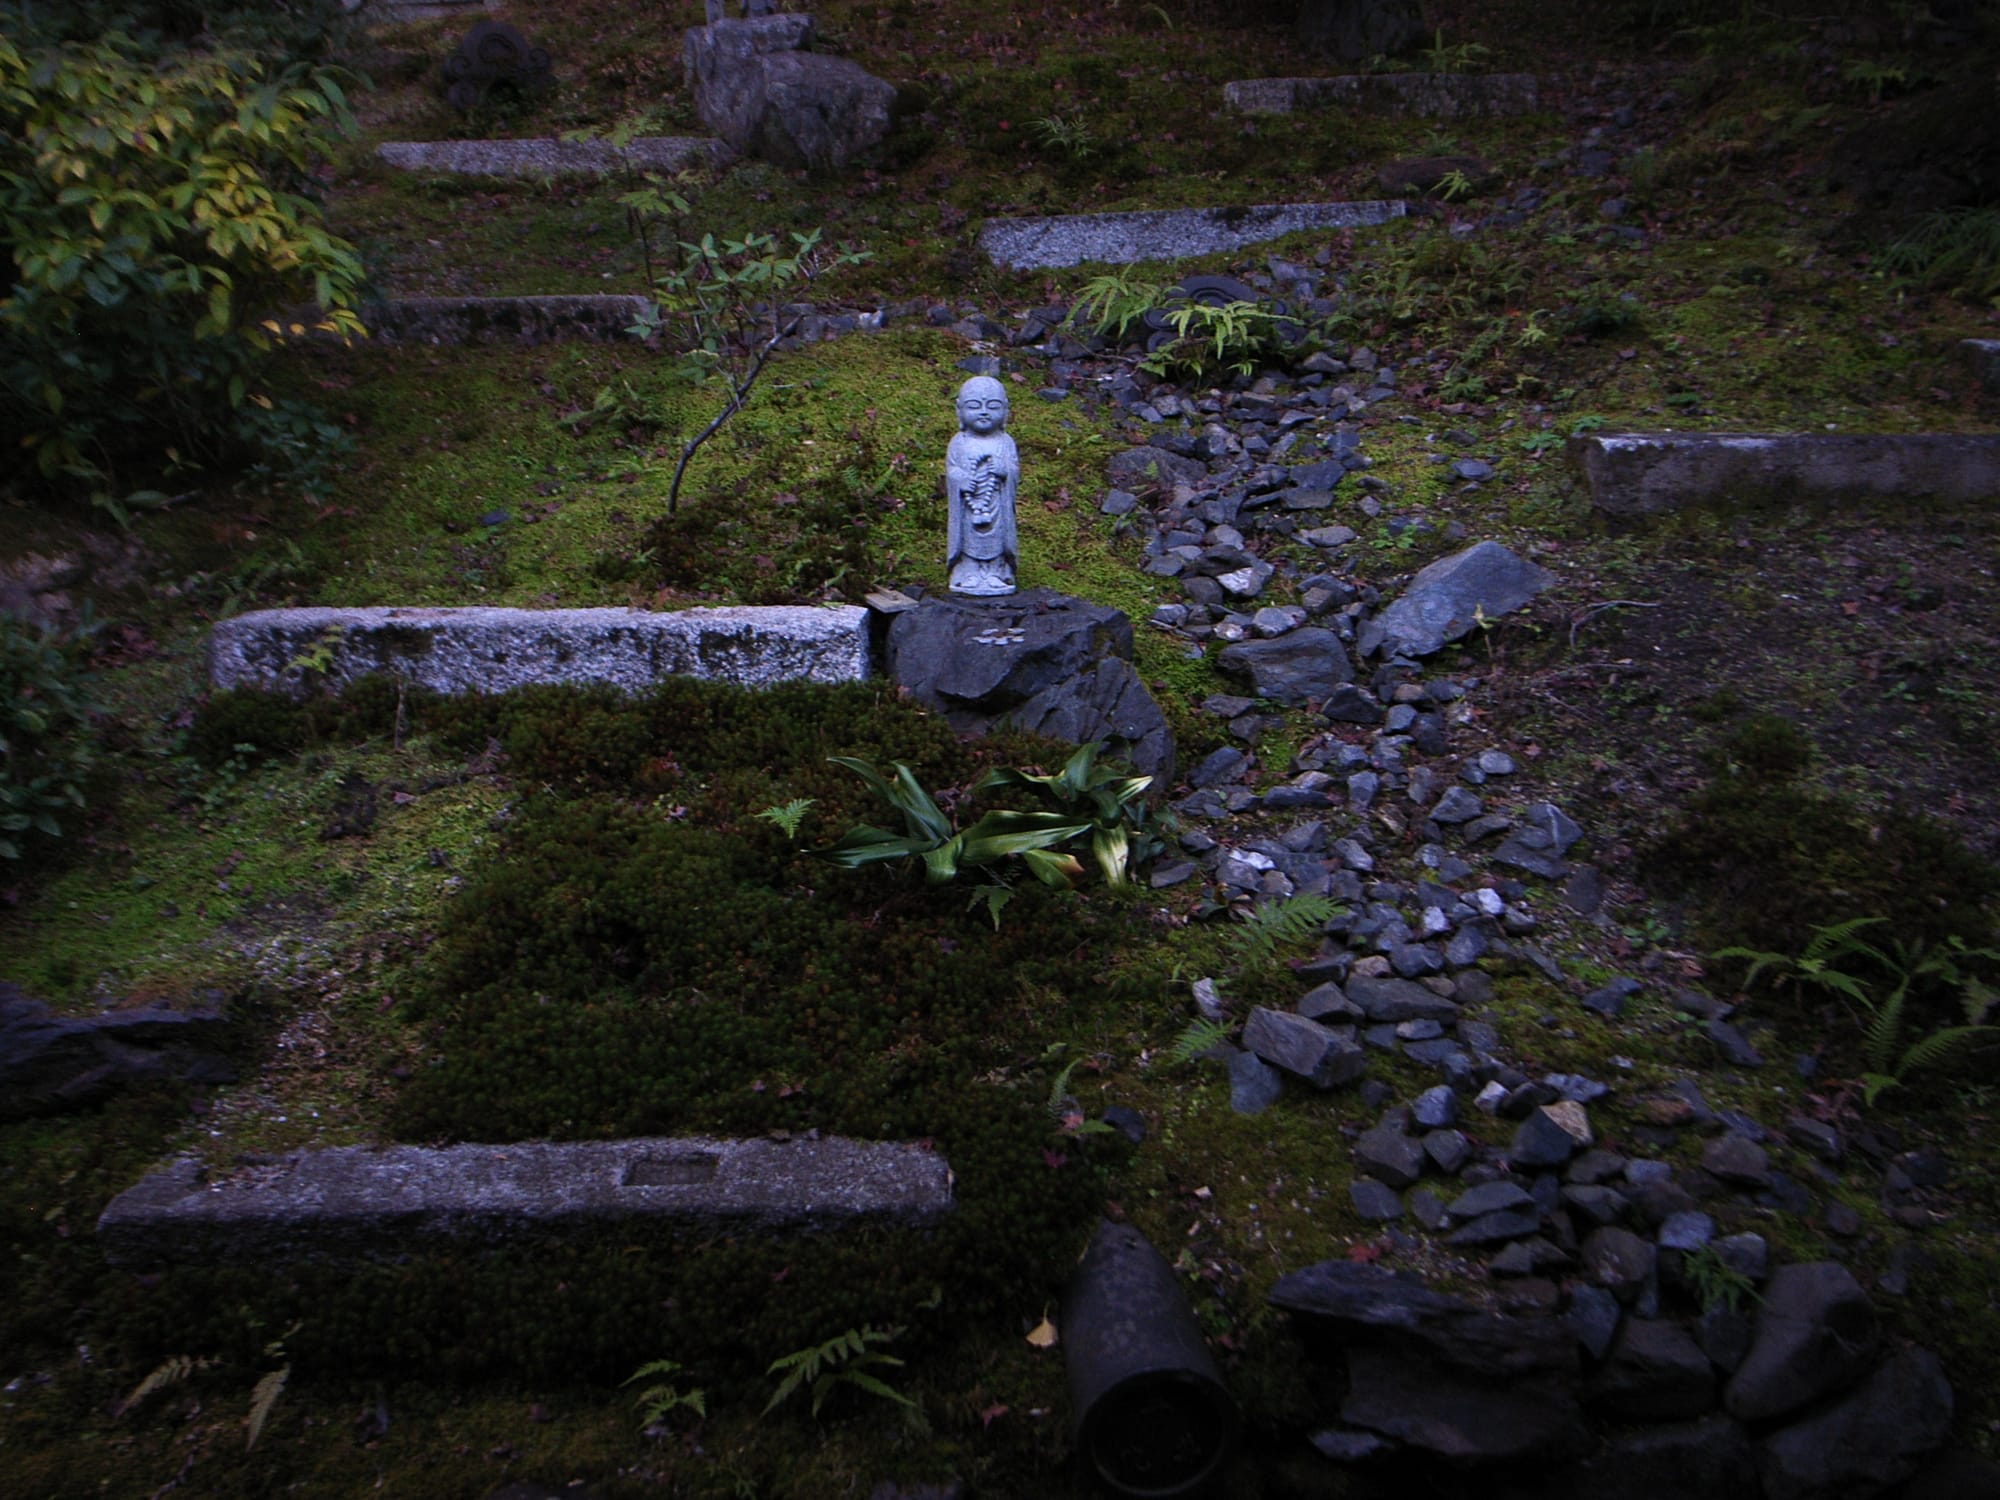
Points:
[(1356, 30), (51, 1064), (1869, 1439), (1035, 660), (1291, 669), (757, 88), (1455, 594), (1816, 1332)]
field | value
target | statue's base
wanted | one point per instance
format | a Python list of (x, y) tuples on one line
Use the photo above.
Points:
[(1035, 660)]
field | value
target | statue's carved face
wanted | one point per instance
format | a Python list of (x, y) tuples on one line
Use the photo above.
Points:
[(984, 415)]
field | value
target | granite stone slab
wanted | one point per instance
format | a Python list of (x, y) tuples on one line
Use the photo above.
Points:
[(1445, 96), (1033, 244), (356, 1199), (547, 157), (458, 650), (1654, 473)]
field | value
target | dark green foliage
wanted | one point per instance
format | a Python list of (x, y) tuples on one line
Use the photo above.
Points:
[(158, 209), (1952, 249), (269, 723), (1770, 858), (645, 955), (48, 733), (1605, 316)]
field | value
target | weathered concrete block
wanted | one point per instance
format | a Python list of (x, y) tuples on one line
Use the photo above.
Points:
[(1167, 234), (523, 321), (357, 1199), (492, 650), (1652, 473), (1984, 357), (1446, 96), (543, 157)]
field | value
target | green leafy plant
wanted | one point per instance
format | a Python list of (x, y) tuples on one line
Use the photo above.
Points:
[(1454, 185), (1110, 305), (1878, 986), (1825, 963), (158, 209), (1210, 339), (1110, 806), (1063, 1109), (1952, 249), (1889, 1061), (658, 1402), (725, 309), (928, 834), (1715, 1282), (48, 730), (1538, 443), (789, 815), (1069, 134), (1454, 57), (1874, 75), (848, 1359)]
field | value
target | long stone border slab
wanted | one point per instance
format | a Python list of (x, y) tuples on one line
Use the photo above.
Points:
[(355, 1199), (545, 157), (458, 650), (1041, 244), (1447, 96), (525, 321), (1644, 474)]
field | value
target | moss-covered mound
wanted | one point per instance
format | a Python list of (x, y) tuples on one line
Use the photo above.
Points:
[(645, 955)]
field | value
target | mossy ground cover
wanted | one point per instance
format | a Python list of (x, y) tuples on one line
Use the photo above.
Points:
[(391, 901)]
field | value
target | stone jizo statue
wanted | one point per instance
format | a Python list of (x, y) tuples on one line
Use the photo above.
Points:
[(982, 470)]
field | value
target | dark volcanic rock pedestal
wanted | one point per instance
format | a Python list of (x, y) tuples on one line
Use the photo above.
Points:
[(1036, 660)]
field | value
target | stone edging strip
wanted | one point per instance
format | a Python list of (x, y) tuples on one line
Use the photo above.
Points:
[(457, 650), (1653, 473), (1039, 244), (1447, 96), (545, 157), (352, 1199)]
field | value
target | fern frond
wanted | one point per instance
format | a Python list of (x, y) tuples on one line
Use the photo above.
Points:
[(1878, 1042), (170, 1373), (262, 1398), (1058, 1101), (1276, 924), (1199, 1037), (657, 1367), (1837, 940), (1759, 962), (1939, 1046)]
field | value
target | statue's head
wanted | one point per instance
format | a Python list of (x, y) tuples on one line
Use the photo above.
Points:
[(982, 405)]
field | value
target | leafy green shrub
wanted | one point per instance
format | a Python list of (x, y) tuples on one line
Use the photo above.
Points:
[(1770, 859), (158, 216), (268, 723), (48, 732)]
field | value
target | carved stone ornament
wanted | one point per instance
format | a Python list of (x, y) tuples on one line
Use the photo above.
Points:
[(494, 54), (982, 472)]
